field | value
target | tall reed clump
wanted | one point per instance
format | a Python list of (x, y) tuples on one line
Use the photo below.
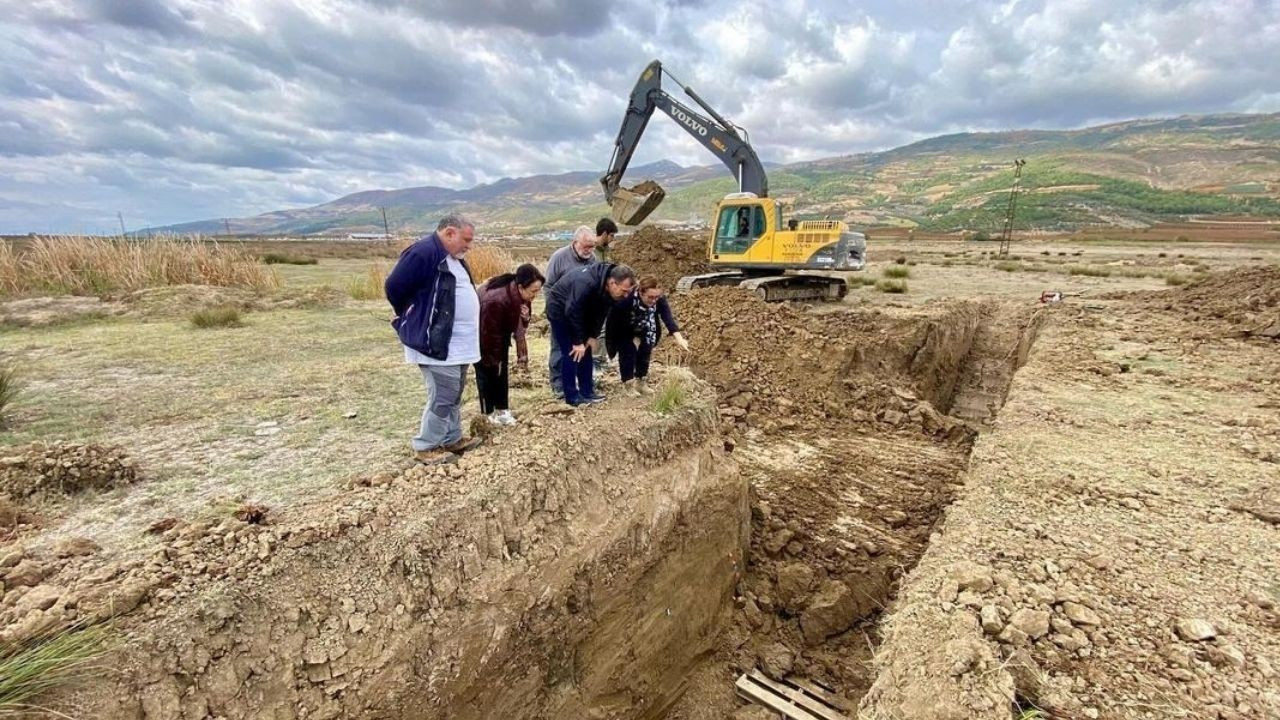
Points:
[(487, 261), (66, 265)]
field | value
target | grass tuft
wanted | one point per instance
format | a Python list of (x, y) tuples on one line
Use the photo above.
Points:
[(1176, 279), (892, 286), (10, 387), (1007, 266), (370, 285), (897, 271), (671, 397), (272, 258), (29, 669), (900, 260), (217, 317), (1088, 271)]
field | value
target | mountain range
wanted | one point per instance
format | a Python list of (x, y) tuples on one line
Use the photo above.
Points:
[(1128, 174)]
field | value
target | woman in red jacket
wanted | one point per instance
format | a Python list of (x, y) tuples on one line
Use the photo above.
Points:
[(505, 303)]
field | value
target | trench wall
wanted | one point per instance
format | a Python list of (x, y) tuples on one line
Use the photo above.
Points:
[(576, 570)]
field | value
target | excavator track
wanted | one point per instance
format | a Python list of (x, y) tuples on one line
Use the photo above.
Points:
[(771, 288)]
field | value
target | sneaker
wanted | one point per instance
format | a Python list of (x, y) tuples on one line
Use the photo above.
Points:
[(464, 444), (643, 386), (631, 388), (435, 456), (593, 400), (494, 418), (504, 417)]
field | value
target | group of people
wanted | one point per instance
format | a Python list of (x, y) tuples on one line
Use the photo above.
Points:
[(447, 325)]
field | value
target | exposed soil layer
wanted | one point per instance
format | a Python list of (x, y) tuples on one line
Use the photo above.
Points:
[(599, 565), (852, 459)]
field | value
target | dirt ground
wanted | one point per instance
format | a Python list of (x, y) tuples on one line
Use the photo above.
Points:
[(1117, 513)]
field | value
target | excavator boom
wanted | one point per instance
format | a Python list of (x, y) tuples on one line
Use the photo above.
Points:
[(632, 205)]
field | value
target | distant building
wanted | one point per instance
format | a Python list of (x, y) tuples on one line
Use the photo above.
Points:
[(368, 236)]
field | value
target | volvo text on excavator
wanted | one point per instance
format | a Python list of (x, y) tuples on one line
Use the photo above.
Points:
[(749, 245)]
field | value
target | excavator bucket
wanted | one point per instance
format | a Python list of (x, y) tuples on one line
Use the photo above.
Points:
[(632, 205)]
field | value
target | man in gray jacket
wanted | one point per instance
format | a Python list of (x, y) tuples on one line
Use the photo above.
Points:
[(577, 254)]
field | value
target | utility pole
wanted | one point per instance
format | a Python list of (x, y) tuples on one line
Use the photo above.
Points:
[(120, 217), (227, 224), (386, 231), (1013, 205)]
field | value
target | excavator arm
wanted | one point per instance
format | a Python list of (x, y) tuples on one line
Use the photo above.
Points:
[(722, 138)]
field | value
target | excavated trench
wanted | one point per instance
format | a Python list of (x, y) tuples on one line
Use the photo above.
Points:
[(845, 497), (608, 564)]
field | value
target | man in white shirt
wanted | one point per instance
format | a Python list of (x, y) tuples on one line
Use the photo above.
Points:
[(438, 322)]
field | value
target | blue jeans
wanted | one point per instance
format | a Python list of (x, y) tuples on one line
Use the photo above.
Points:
[(555, 359), (442, 417), (575, 376)]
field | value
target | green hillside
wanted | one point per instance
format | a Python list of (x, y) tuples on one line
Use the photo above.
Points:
[(1129, 174)]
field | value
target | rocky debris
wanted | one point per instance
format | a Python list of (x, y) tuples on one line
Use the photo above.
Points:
[(75, 547), (831, 611), (65, 468), (793, 583), (1079, 614), (1031, 623), (776, 660), (1195, 630)]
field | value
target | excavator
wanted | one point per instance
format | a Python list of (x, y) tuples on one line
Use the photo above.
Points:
[(749, 245)]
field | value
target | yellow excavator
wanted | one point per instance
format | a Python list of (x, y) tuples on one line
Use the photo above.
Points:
[(750, 245)]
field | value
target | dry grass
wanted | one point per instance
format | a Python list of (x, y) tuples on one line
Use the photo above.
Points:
[(275, 258), (892, 286), (486, 261), (369, 286), (66, 265), (1088, 271), (10, 386), (897, 271)]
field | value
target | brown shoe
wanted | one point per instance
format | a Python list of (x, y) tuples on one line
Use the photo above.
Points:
[(435, 456), (465, 444)]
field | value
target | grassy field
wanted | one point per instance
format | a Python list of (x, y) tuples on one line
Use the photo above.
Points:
[(258, 412)]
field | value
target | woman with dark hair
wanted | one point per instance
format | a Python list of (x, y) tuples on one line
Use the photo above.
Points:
[(634, 328), (505, 303)]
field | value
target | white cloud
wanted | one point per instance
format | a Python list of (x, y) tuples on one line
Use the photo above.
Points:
[(183, 109)]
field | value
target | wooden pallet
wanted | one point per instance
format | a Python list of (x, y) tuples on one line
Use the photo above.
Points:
[(793, 697)]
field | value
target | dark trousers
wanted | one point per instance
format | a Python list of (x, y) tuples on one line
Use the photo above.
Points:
[(492, 385), (633, 362), (575, 376)]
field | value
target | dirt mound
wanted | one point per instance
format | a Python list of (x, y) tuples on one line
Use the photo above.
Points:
[(668, 255), (774, 362), (46, 311), (1247, 300), (42, 469)]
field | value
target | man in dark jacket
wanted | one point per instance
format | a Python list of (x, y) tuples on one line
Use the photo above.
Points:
[(577, 306), (438, 322)]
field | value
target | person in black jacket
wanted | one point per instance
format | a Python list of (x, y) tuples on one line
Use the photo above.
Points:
[(634, 328), (576, 306)]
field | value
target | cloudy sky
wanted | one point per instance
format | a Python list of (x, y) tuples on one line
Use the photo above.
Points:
[(174, 110)]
